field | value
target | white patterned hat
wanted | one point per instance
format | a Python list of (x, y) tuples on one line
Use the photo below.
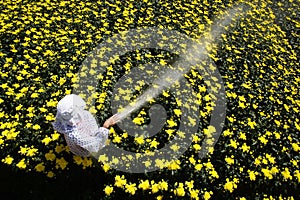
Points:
[(69, 109)]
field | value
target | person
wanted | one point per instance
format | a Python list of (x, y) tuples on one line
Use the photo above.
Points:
[(80, 129)]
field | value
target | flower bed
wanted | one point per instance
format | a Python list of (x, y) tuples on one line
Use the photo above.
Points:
[(43, 44)]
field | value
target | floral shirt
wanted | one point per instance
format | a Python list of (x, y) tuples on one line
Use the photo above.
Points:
[(85, 136)]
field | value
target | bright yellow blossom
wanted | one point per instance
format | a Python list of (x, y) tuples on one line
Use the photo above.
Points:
[(7, 160), (145, 185), (108, 190), (22, 164)]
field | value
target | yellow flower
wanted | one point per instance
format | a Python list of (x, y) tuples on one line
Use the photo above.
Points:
[(59, 148), (207, 195), (61, 163), (297, 126), (231, 119), (270, 158), (180, 190), (229, 161), (166, 94), (233, 143), (117, 139), (2, 54), (145, 185), (263, 140), (214, 174), (138, 120), (267, 173), (162, 62), (23, 150), (87, 162), (170, 131), (229, 85), (49, 117), (192, 121), (230, 185), (46, 140), (61, 81), (34, 95), (227, 132), (171, 123), (197, 147), (77, 159), (163, 185), (36, 127), (40, 167), (174, 165), (147, 163), (50, 174), (22, 164), (297, 175), (120, 181), (286, 174), (252, 175), (295, 147), (245, 148), (294, 162), (210, 129), (108, 190), (196, 138), (246, 85), (105, 167), (189, 184), (130, 188), (154, 187), (19, 107), (139, 140), (251, 123), (31, 152), (50, 156), (194, 194), (43, 109), (160, 197), (51, 103), (181, 134), (198, 167), (242, 136), (274, 170), (154, 143), (55, 136), (277, 122), (177, 112), (175, 147), (192, 160), (102, 158), (160, 163), (7, 160)]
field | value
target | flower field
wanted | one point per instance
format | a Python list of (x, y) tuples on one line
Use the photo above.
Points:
[(43, 45)]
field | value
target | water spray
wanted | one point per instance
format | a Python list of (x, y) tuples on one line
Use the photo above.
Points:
[(194, 54)]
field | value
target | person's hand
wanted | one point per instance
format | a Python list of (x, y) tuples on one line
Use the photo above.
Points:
[(111, 121)]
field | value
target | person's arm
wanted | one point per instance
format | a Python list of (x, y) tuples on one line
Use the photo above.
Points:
[(96, 141), (88, 142), (111, 121)]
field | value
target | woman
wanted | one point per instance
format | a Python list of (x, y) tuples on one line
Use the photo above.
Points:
[(81, 131)]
